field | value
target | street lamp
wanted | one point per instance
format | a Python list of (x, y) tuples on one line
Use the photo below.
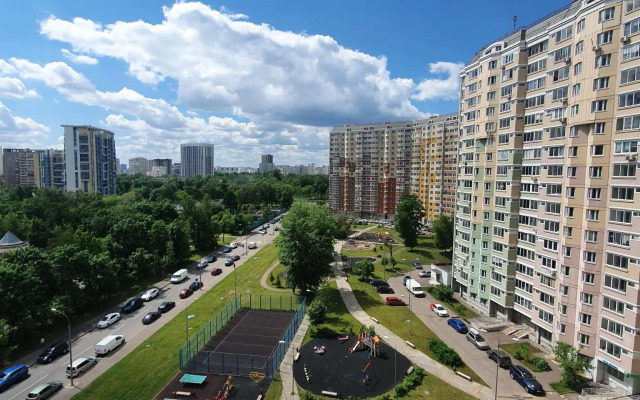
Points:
[(498, 365), (70, 353)]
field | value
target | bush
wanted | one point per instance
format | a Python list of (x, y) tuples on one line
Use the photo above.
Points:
[(308, 396), (445, 354), (401, 390), (384, 397), (541, 365), (443, 293), (317, 312), (278, 282), (271, 278), (522, 352)]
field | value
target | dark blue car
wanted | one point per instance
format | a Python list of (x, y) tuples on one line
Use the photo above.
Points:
[(522, 375), (13, 375), (458, 325), (226, 250), (132, 305)]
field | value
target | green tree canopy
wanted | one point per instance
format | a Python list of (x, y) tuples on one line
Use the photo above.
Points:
[(443, 229), (572, 364), (409, 212), (363, 269)]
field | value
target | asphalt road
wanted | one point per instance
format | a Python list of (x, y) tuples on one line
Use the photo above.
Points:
[(476, 359), (130, 326)]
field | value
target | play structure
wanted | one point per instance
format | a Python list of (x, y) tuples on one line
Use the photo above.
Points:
[(343, 339), (365, 340), (226, 391), (257, 377), (319, 349)]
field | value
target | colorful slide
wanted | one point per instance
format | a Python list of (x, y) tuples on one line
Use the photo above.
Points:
[(355, 346)]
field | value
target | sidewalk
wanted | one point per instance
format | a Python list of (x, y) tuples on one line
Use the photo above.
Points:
[(286, 366)]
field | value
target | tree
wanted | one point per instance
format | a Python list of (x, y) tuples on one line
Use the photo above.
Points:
[(317, 312), (572, 364), (306, 245), (409, 212), (343, 225), (363, 269), (442, 292), (443, 228)]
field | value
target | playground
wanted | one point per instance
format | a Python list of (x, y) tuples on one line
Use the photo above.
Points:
[(213, 387), (357, 365)]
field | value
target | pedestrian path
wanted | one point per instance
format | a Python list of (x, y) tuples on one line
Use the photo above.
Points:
[(263, 280), (289, 389)]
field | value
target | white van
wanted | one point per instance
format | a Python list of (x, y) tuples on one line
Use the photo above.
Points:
[(414, 288), (108, 344), (179, 276), (252, 245), (80, 365)]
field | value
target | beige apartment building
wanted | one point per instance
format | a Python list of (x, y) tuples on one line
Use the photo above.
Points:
[(548, 200), (372, 165)]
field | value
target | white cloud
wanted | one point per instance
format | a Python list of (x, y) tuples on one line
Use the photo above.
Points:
[(223, 63), (79, 58), (14, 88), (446, 89), (19, 132)]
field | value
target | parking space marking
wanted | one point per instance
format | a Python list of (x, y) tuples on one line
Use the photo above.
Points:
[(26, 389), (120, 327)]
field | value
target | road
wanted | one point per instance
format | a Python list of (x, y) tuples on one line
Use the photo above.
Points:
[(476, 359), (130, 326)]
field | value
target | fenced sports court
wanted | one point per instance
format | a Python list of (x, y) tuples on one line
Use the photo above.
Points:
[(245, 336)]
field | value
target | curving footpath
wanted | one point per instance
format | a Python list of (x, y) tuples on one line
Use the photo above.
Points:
[(263, 280)]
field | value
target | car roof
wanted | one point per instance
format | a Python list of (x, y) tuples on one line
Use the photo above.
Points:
[(392, 298), (15, 367), (521, 369)]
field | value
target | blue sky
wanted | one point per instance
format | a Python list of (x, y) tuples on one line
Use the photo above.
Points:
[(250, 76)]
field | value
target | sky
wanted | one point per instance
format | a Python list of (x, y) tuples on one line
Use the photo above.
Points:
[(250, 76)]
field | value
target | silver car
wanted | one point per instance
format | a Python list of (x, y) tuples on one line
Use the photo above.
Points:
[(80, 365), (474, 337), (44, 391)]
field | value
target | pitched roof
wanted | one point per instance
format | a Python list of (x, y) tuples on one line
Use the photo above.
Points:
[(10, 239)]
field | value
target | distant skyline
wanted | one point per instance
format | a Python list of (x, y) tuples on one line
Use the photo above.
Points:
[(251, 77)]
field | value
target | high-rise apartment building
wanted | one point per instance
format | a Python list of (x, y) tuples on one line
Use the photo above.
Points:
[(547, 222), (159, 163), (266, 164), (20, 167), (139, 165), (51, 169), (372, 165), (196, 159), (90, 155)]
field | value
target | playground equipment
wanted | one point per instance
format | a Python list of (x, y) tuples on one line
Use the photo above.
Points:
[(370, 341), (224, 394), (306, 374), (319, 349), (257, 377), (343, 339)]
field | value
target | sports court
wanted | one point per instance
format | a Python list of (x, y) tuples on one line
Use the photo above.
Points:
[(243, 345)]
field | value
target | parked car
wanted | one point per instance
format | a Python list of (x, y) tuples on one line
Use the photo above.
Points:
[(108, 320), (474, 337), (186, 292), (80, 365), (44, 391), (150, 317), (228, 262), (12, 375), (226, 250), (458, 325), (211, 259), (109, 344), (233, 245), (166, 306), (379, 282), (500, 357), (416, 264), (384, 289), (201, 264), (394, 301), (216, 271), (235, 258), (425, 274), (439, 309), (132, 305), (526, 379), (151, 294), (404, 281), (196, 285), (52, 352)]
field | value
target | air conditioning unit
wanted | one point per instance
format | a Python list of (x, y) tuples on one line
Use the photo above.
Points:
[(596, 48), (502, 67), (624, 39), (553, 274), (509, 97), (565, 101), (535, 179), (567, 60), (563, 120), (631, 157)]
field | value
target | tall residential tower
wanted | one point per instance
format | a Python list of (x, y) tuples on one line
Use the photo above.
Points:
[(196, 159)]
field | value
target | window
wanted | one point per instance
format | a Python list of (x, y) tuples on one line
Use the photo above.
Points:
[(551, 245), (554, 170), (531, 154), (583, 339), (622, 193), (605, 37), (507, 74), (589, 257), (551, 226), (533, 118), (539, 65), (579, 47), (568, 231), (471, 102), (631, 5), (629, 99), (595, 172), (561, 54), (576, 89), (491, 96), (573, 152), (594, 193), (489, 156), (507, 58), (606, 14), (560, 93), (561, 74), (627, 146), (618, 261), (493, 64), (631, 27), (538, 48), (504, 107), (580, 25), (562, 328), (615, 283), (586, 298), (622, 216), (619, 238), (563, 34), (554, 190), (505, 123), (588, 278), (573, 131), (562, 309), (566, 251), (598, 128), (505, 91), (557, 113), (612, 327), (631, 51), (577, 69), (590, 236), (568, 212), (603, 60), (547, 298), (624, 170), (597, 150), (585, 319), (545, 316), (473, 87), (534, 136), (599, 106), (601, 83), (491, 80), (610, 348), (552, 208), (630, 122), (593, 215), (565, 270), (556, 151), (630, 75), (536, 84), (612, 304), (534, 101), (572, 171), (575, 110)]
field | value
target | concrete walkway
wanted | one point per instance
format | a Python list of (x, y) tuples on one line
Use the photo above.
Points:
[(286, 366), (263, 280)]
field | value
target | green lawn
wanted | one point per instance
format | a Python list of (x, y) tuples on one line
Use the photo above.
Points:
[(512, 347), (560, 387), (275, 273), (275, 389), (148, 368), (198, 255)]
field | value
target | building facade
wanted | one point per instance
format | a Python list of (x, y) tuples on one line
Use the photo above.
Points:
[(90, 155), (196, 159), (139, 165), (165, 163), (51, 169), (372, 165), (548, 201), (266, 164), (20, 167)]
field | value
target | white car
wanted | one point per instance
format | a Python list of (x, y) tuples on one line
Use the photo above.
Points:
[(425, 274), (150, 294), (439, 309), (233, 245), (108, 320)]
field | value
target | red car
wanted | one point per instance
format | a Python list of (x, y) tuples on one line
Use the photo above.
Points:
[(394, 301), (186, 292), (216, 271)]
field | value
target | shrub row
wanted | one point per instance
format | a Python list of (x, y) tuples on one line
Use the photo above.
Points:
[(410, 381), (445, 354)]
